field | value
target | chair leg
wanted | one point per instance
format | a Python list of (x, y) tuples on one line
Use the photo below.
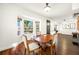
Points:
[(25, 52), (55, 50), (51, 50), (40, 52), (33, 52)]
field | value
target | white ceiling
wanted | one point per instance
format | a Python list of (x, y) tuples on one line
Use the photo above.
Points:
[(58, 10), (75, 7)]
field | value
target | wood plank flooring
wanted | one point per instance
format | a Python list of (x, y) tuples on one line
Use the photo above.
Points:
[(66, 47)]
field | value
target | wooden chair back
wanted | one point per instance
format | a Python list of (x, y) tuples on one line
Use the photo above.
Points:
[(24, 38)]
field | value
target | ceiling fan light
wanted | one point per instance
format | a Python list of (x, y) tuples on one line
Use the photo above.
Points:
[(47, 8)]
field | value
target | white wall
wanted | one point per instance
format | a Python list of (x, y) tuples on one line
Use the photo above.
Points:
[(8, 24), (8, 28)]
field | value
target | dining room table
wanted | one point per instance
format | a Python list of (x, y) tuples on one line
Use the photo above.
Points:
[(44, 39)]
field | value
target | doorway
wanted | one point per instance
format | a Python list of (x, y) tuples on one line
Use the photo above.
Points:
[(48, 26)]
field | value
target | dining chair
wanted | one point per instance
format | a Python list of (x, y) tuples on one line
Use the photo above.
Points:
[(51, 43), (54, 43), (31, 47)]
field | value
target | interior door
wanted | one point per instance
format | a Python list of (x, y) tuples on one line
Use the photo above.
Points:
[(48, 26)]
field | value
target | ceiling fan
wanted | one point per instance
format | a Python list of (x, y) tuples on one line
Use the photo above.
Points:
[(47, 7)]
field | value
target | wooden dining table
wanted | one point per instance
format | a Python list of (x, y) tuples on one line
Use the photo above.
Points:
[(44, 38), (45, 41)]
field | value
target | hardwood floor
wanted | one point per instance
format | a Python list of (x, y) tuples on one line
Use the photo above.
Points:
[(64, 47), (20, 50)]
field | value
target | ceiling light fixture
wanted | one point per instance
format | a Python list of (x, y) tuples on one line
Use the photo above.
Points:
[(47, 7)]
